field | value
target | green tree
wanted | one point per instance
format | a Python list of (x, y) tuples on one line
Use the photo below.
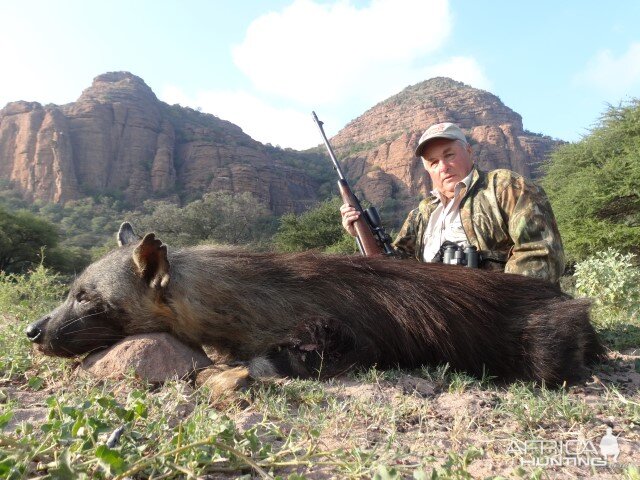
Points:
[(22, 238), (217, 218), (594, 185), (67, 260), (318, 228), (230, 219), (163, 218)]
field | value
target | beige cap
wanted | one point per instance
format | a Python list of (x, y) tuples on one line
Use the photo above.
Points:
[(440, 130)]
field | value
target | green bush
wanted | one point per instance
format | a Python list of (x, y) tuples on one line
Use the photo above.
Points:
[(22, 236), (611, 279), (318, 228), (31, 294), (23, 298)]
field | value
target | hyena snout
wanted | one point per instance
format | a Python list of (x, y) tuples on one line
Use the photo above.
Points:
[(35, 330), (75, 329)]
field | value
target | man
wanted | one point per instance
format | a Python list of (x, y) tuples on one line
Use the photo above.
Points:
[(504, 215)]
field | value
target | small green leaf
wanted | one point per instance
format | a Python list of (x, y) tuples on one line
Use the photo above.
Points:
[(78, 426), (6, 466), (106, 402), (71, 411), (140, 409), (110, 459), (5, 418)]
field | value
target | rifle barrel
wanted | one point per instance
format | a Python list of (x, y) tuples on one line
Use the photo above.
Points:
[(336, 165)]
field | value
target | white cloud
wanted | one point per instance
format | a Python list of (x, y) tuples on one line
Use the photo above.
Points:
[(336, 57), (328, 53), (616, 76), (279, 126), (294, 127)]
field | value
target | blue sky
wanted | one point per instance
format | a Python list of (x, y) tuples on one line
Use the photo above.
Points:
[(265, 65)]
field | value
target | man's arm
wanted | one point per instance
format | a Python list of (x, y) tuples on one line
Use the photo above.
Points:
[(406, 241), (537, 250)]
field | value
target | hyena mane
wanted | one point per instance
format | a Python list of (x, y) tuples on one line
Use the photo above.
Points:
[(318, 315)]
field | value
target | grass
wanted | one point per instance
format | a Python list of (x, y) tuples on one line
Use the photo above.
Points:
[(368, 425), (619, 330)]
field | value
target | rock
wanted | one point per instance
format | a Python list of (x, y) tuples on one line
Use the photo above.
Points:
[(376, 186), (118, 137), (416, 385), (154, 357), (36, 152)]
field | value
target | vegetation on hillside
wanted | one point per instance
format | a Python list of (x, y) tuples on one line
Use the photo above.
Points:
[(217, 218), (82, 227), (314, 162), (80, 231), (594, 185)]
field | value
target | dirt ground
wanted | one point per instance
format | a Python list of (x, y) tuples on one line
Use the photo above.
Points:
[(412, 419)]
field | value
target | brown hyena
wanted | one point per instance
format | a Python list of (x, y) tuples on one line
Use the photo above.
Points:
[(316, 315)]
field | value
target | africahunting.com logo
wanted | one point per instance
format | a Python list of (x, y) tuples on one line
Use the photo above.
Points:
[(578, 452)]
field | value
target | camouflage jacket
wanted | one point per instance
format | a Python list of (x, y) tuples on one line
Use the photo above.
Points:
[(506, 217)]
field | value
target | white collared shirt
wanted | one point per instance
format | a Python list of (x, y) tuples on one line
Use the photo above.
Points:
[(445, 223)]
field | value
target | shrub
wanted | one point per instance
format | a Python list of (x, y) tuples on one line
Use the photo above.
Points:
[(32, 294), (611, 279), (318, 228), (23, 298)]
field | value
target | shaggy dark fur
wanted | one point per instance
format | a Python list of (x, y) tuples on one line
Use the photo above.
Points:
[(315, 315)]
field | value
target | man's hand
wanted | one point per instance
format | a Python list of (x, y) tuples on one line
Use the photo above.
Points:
[(349, 215)]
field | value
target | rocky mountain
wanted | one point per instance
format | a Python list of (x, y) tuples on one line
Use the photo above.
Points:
[(377, 147), (119, 139)]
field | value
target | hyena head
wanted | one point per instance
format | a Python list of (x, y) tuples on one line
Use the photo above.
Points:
[(113, 298)]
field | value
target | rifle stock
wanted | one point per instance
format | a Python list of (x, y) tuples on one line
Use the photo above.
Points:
[(367, 243)]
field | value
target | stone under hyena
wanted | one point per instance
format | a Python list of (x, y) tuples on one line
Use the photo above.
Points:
[(317, 315)]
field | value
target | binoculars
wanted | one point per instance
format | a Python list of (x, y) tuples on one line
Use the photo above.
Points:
[(456, 255)]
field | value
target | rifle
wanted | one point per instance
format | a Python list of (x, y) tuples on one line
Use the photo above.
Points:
[(371, 237)]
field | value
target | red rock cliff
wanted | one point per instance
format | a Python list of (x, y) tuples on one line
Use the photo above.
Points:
[(118, 137)]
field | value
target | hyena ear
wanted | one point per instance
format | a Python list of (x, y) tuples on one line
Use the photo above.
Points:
[(126, 235), (150, 257)]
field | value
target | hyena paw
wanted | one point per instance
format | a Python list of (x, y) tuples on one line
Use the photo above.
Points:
[(223, 379)]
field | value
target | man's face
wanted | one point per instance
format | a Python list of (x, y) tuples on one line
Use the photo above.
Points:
[(447, 162)]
